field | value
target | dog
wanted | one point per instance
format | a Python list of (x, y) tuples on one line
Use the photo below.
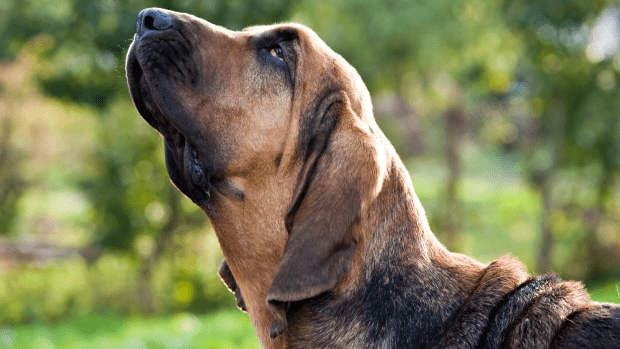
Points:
[(325, 242)]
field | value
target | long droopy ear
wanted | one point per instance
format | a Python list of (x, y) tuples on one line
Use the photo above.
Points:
[(337, 176)]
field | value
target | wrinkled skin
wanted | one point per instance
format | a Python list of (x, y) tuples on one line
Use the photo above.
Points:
[(326, 244)]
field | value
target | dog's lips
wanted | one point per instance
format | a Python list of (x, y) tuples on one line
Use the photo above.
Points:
[(184, 152), (192, 168), (136, 82), (189, 174)]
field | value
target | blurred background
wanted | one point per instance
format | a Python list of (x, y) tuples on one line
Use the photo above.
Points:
[(506, 113)]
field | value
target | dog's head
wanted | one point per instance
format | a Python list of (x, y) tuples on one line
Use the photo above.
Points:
[(227, 102), (267, 107)]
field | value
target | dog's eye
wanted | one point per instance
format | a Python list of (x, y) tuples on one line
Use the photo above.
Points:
[(277, 52)]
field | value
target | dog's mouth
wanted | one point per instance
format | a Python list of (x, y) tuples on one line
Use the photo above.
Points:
[(137, 81), (189, 169), (186, 169)]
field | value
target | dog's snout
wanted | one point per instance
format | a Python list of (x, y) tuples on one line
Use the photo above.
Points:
[(153, 20)]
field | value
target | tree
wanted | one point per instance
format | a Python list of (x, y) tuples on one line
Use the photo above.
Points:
[(577, 127), (134, 208)]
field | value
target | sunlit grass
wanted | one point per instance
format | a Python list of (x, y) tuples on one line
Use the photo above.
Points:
[(608, 293), (228, 328)]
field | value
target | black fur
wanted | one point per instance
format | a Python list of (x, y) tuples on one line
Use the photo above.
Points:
[(396, 310), (595, 327), (512, 304)]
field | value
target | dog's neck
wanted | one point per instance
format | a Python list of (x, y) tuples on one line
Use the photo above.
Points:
[(253, 237)]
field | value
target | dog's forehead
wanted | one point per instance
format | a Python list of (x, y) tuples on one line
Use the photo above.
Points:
[(265, 29), (283, 32)]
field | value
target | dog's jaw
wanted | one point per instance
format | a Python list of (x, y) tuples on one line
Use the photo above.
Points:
[(188, 165)]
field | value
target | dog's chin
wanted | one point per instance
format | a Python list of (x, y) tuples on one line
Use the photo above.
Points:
[(189, 170)]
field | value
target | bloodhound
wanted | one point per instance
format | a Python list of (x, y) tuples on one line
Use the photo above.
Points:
[(326, 245)]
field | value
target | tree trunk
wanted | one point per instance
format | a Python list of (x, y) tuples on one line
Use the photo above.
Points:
[(601, 259), (543, 174), (455, 125), (544, 258)]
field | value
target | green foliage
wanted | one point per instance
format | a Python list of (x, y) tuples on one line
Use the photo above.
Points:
[(125, 176), (11, 162), (72, 288), (87, 41)]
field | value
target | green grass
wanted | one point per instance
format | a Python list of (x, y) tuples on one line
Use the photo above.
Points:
[(608, 293), (227, 329)]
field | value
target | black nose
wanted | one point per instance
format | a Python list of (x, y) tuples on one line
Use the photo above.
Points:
[(153, 20)]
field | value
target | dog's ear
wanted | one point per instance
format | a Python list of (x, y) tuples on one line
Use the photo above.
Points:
[(229, 280), (327, 201)]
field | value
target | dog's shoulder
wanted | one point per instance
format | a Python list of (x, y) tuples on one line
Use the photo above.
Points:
[(531, 314), (506, 308), (541, 312), (595, 326)]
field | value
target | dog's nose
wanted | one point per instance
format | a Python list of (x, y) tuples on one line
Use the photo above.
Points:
[(153, 20)]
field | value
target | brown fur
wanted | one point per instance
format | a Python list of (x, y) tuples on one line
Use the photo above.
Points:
[(325, 242)]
